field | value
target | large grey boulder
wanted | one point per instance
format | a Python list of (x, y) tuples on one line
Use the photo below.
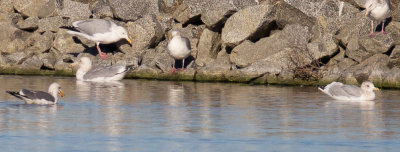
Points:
[(129, 10), (31, 23), (101, 9), (74, 10), (292, 36), (146, 32), (246, 23), (377, 44), (52, 24), (65, 43), (29, 7), (213, 11), (208, 47), (6, 6)]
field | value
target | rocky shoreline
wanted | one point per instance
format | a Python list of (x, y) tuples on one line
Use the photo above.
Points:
[(290, 42)]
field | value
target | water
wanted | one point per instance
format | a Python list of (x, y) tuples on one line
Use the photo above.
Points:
[(143, 115)]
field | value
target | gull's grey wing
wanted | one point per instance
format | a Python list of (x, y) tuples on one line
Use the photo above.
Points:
[(352, 90), (108, 71), (345, 90), (37, 95), (187, 42), (93, 26)]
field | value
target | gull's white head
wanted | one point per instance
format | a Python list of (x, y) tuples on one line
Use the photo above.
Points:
[(84, 63), (175, 33), (55, 89), (368, 86), (123, 34)]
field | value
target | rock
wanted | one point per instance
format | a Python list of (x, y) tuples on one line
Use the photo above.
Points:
[(32, 63), (145, 32), (372, 68), (40, 43), (292, 36), (215, 70), (287, 14), (63, 62), (394, 29), (208, 47), (101, 9), (168, 6), (65, 43), (28, 7), (52, 24), (17, 57), (11, 38), (246, 23), (6, 6), (129, 10), (325, 47), (377, 44), (50, 8), (74, 10), (215, 18), (396, 13), (192, 9), (31, 23), (394, 58), (48, 60)]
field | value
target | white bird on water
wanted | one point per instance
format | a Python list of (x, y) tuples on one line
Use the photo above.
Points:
[(377, 10), (100, 31), (179, 48), (39, 97), (100, 74), (340, 91)]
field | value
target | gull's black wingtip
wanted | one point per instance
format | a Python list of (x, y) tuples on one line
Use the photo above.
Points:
[(71, 28)]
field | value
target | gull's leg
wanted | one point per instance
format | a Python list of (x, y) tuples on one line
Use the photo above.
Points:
[(372, 29), (173, 68), (183, 64), (102, 54), (383, 27)]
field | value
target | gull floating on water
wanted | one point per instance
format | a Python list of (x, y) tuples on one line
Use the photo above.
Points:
[(100, 74), (39, 97), (178, 48), (100, 31), (377, 10), (340, 91)]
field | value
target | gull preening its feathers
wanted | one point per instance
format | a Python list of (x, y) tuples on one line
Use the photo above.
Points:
[(39, 97), (340, 91), (377, 10), (179, 48), (99, 31), (85, 71)]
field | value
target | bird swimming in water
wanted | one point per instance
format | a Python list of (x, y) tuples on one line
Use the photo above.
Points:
[(39, 97), (340, 91), (377, 10), (85, 71)]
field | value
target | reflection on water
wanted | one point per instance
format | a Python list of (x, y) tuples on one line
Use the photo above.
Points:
[(142, 115)]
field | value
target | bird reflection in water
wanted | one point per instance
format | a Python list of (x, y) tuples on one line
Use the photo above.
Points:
[(100, 91)]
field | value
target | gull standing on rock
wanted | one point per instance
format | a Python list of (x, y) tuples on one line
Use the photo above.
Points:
[(39, 97), (100, 31), (101, 74), (178, 48), (340, 91), (377, 10)]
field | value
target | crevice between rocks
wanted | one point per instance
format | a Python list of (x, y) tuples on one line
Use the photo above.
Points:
[(389, 52), (196, 20), (264, 31)]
